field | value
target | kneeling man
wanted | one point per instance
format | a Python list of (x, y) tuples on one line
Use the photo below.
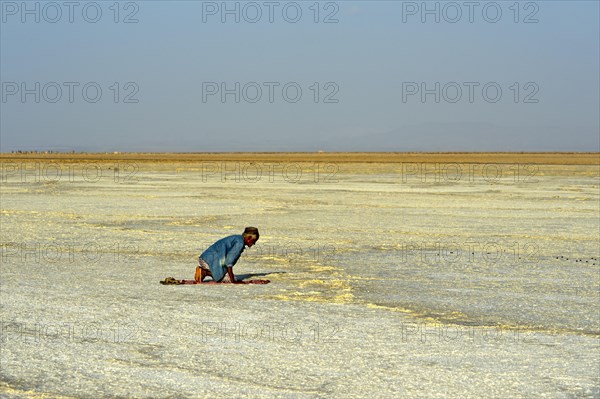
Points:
[(218, 260)]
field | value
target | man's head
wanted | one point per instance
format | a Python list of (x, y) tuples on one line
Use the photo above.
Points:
[(250, 236)]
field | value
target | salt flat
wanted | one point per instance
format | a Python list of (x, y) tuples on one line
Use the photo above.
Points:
[(406, 279)]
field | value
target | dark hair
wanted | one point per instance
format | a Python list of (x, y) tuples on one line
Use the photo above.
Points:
[(251, 231)]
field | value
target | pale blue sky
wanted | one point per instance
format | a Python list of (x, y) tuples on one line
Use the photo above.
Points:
[(366, 61)]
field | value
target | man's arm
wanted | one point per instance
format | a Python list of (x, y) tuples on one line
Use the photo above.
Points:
[(233, 253), (230, 274)]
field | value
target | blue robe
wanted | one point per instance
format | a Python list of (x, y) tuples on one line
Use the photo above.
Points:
[(223, 253)]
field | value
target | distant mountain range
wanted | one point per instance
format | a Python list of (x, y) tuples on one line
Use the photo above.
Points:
[(427, 138)]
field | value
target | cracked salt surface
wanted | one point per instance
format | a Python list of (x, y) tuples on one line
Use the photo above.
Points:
[(379, 288)]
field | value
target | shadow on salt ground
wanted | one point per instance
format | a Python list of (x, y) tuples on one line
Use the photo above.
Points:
[(251, 275)]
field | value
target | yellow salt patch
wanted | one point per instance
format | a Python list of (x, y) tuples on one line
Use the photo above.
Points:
[(393, 309), (334, 287), (275, 258), (423, 318), (312, 296), (32, 394), (319, 269), (308, 282), (328, 291)]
